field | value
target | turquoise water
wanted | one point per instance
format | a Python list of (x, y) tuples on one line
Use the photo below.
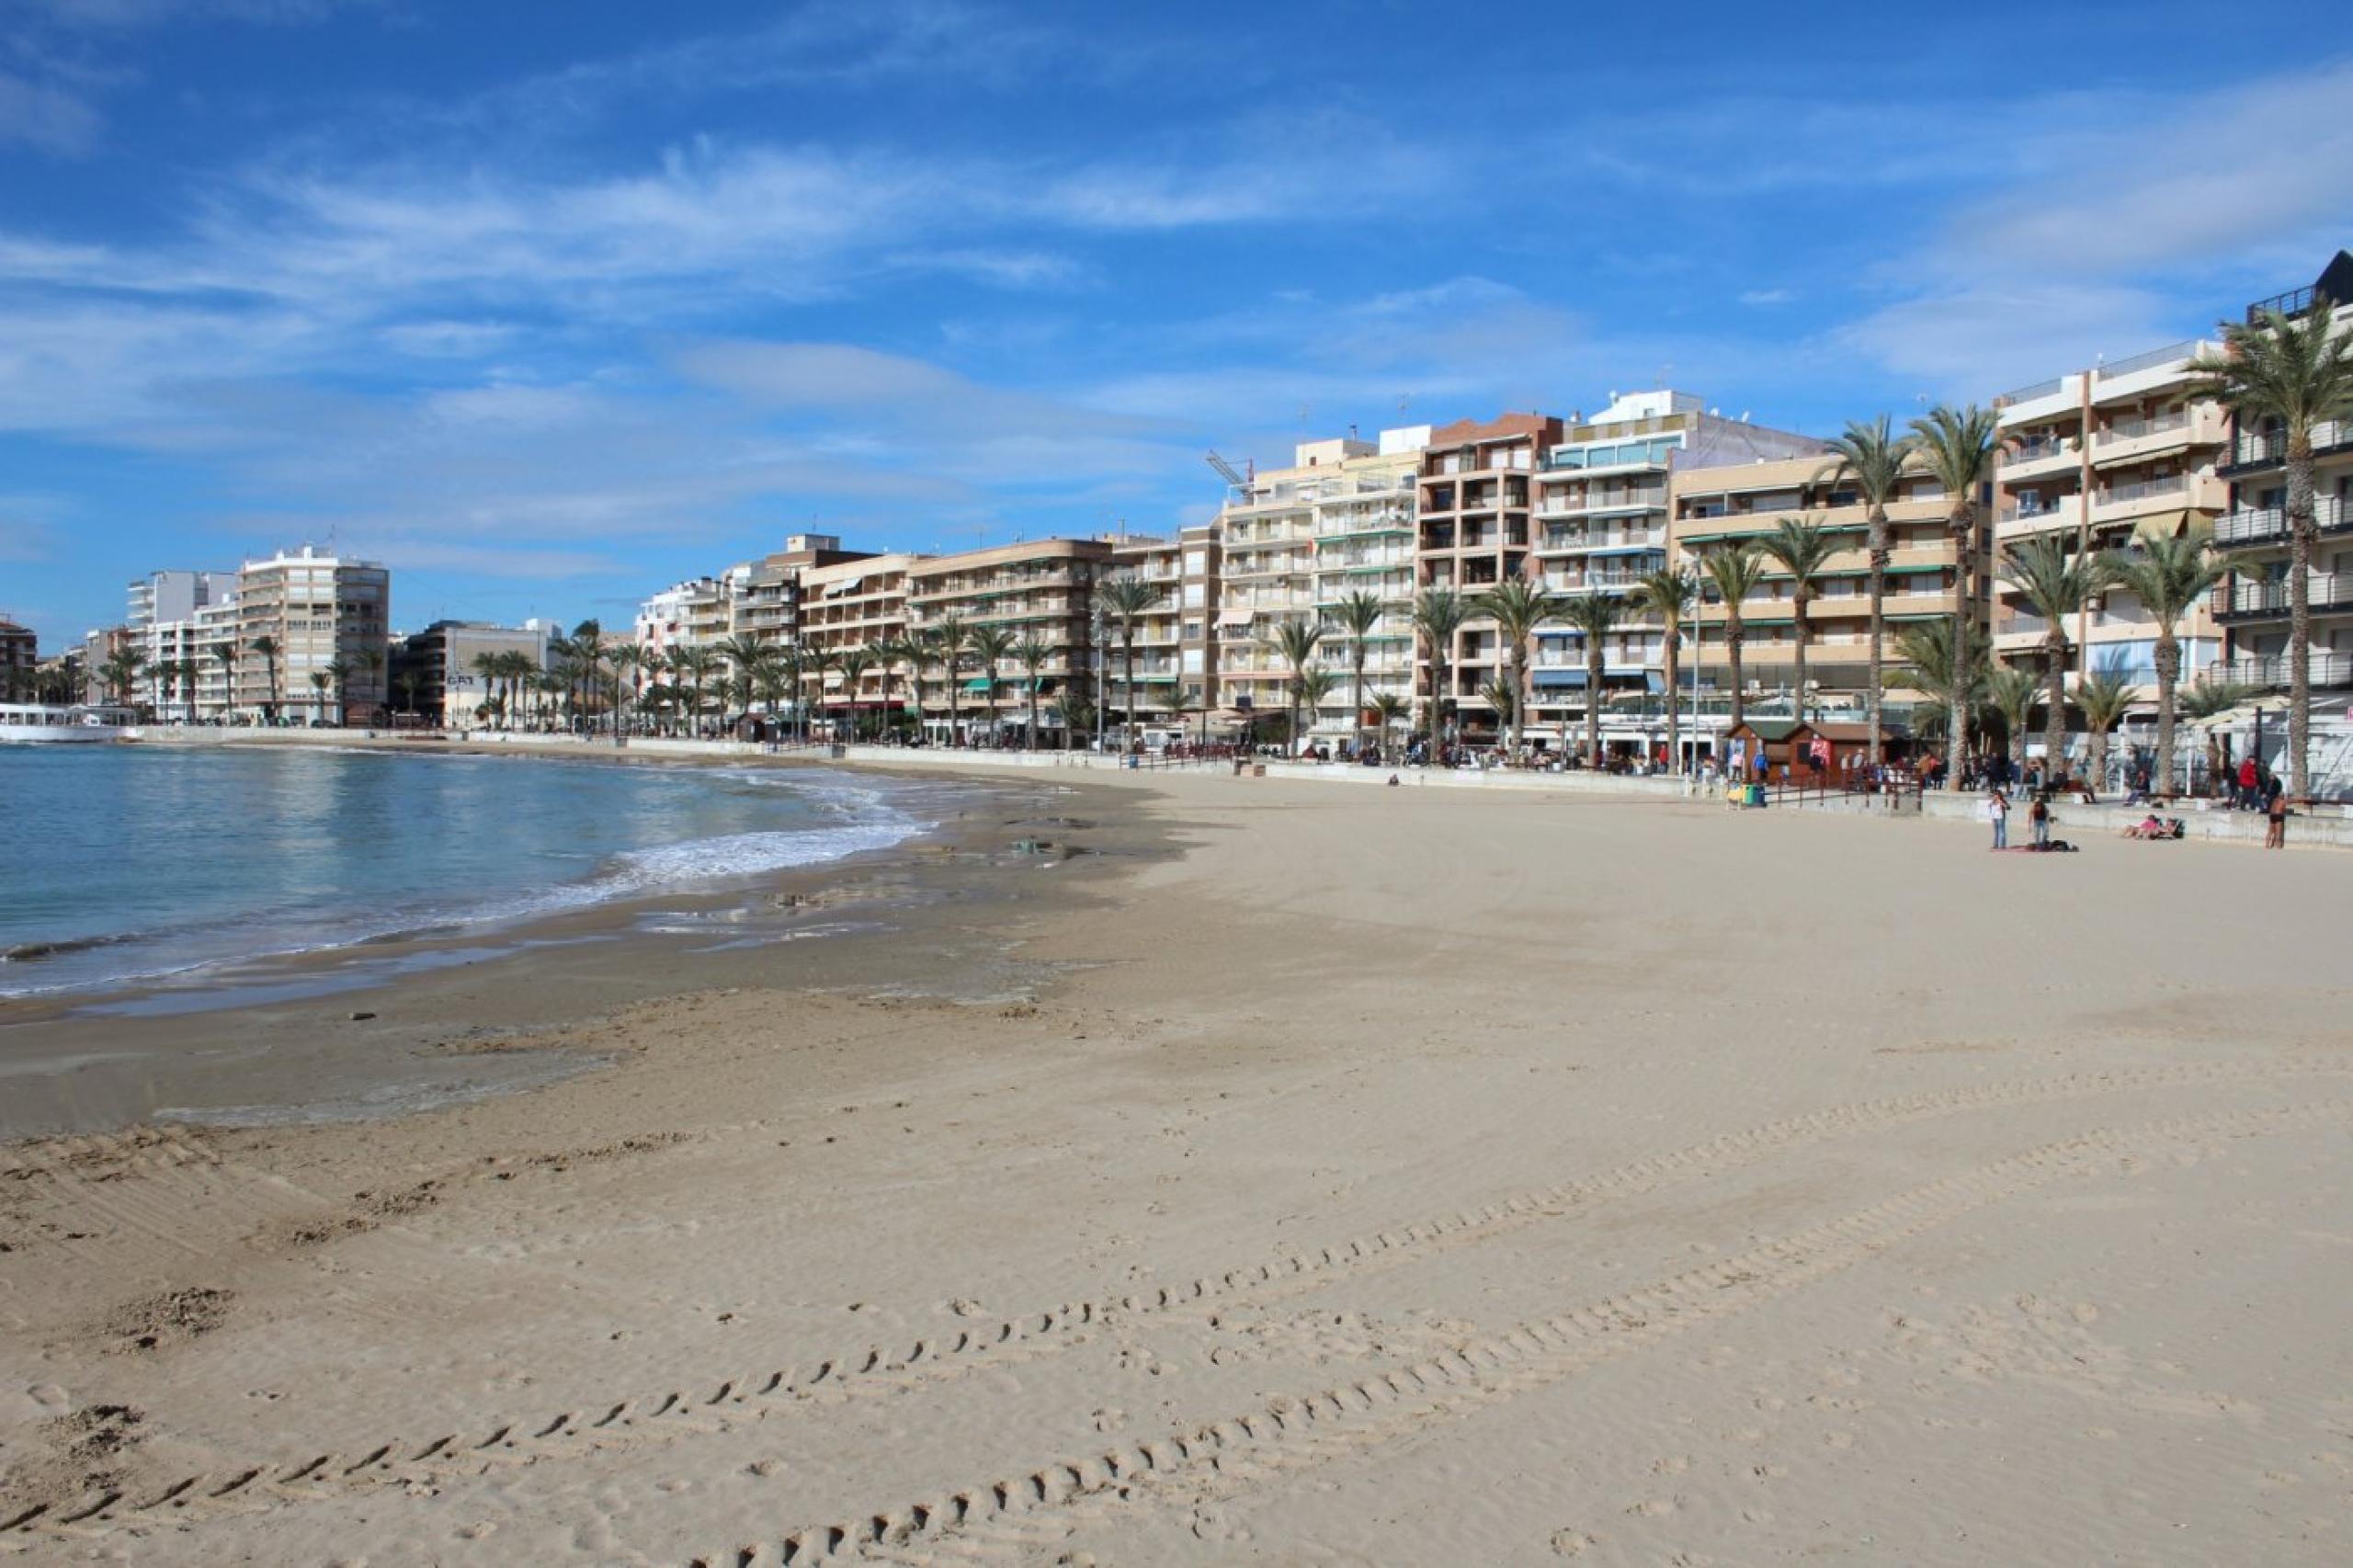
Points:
[(124, 863)]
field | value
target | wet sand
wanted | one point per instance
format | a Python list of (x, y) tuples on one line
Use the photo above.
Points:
[(1343, 1176)]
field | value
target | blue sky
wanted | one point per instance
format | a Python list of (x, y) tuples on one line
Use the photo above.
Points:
[(550, 306)]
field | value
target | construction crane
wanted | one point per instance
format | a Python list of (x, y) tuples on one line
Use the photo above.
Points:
[(1225, 471)]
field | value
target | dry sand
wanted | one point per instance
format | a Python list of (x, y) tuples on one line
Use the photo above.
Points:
[(1394, 1176)]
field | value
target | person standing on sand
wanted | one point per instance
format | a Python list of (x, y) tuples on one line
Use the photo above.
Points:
[(2245, 799), (2275, 833), (1997, 812), (2039, 814)]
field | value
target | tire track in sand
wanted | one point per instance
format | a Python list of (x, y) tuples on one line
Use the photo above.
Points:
[(1012, 1516), (735, 1397)]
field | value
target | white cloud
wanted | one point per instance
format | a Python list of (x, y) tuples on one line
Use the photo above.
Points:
[(1767, 296), (45, 116)]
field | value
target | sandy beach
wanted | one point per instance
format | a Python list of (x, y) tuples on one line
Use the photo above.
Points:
[(1265, 1172)]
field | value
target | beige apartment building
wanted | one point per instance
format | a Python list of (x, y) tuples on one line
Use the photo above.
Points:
[(2252, 607), (1044, 589), (1268, 530), (1176, 640), (1475, 509), (860, 603), (1714, 507), (2094, 458), (321, 610), (1362, 511)]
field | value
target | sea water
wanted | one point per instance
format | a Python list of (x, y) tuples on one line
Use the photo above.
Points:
[(128, 863)]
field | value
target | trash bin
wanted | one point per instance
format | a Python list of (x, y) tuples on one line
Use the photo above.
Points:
[(1756, 794), (837, 751), (1134, 761)]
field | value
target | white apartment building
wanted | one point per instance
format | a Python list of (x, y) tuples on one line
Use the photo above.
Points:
[(162, 612), (1361, 510), (2095, 457)]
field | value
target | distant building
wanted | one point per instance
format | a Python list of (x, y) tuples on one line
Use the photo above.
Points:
[(322, 613), (1044, 588), (163, 611), (436, 674), (2254, 605), (19, 658), (1474, 517)]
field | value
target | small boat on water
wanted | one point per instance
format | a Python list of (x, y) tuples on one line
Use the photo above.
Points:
[(39, 724)]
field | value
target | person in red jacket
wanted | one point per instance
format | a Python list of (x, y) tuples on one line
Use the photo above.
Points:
[(2247, 799)]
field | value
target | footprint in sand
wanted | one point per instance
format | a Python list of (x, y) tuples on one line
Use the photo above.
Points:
[(1572, 1543)]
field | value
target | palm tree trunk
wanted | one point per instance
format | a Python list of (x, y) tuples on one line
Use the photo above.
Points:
[(2054, 716), (1356, 719), (1440, 677), (1798, 627), (1592, 701), (2302, 534), (1878, 626), (1128, 672), (1735, 635), (2168, 662), (1518, 695), (1668, 660), (1965, 602)]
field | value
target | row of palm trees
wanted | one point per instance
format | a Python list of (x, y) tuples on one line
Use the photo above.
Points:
[(2288, 374), (121, 676)]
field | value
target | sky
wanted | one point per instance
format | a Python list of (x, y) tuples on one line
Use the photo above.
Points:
[(548, 307)]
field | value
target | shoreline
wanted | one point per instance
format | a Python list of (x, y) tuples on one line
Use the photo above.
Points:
[(392, 1025)]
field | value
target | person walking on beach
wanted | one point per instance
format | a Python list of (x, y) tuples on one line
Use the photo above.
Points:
[(2039, 814), (1997, 812), (2275, 833)]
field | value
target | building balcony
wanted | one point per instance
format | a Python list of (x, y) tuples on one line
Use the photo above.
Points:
[(2039, 459), (2326, 591), (2020, 522), (2262, 526), (2121, 504), (1564, 541), (2327, 669), (2263, 450), (2137, 440)]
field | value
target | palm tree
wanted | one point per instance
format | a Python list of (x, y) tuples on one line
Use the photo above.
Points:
[(320, 681), (1959, 446), (2058, 582), (2101, 698), (1802, 548), (589, 657), (1356, 617), (1500, 694), (991, 645), (1874, 459), (408, 681), (949, 640), (188, 672), (1669, 592), (744, 654), (1316, 683), (904, 649), (1296, 641), (225, 655), (1956, 687), (339, 671), (1386, 708), (1735, 570), (816, 663), (696, 664), (1438, 614), (2168, 573), (1595, 615), (2206, 698), (1035, 653), (1517, 607), (2295, 374), (630, 662), (777, 683), (854, 664), (2011, 692), (1122, 599), (266, 646), (492, 670)]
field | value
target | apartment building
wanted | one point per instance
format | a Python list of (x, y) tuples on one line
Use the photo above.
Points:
[(434, 671), (859, 603), (19, 658), (1267, 535), (1042, 588), (161, 611), (320, 610), (1716, 505), (764, 597), (1176, 640), (1603, 513), (2094, 458), (2252, 607), (1361, 510), (1474, 511), (217, 653)]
